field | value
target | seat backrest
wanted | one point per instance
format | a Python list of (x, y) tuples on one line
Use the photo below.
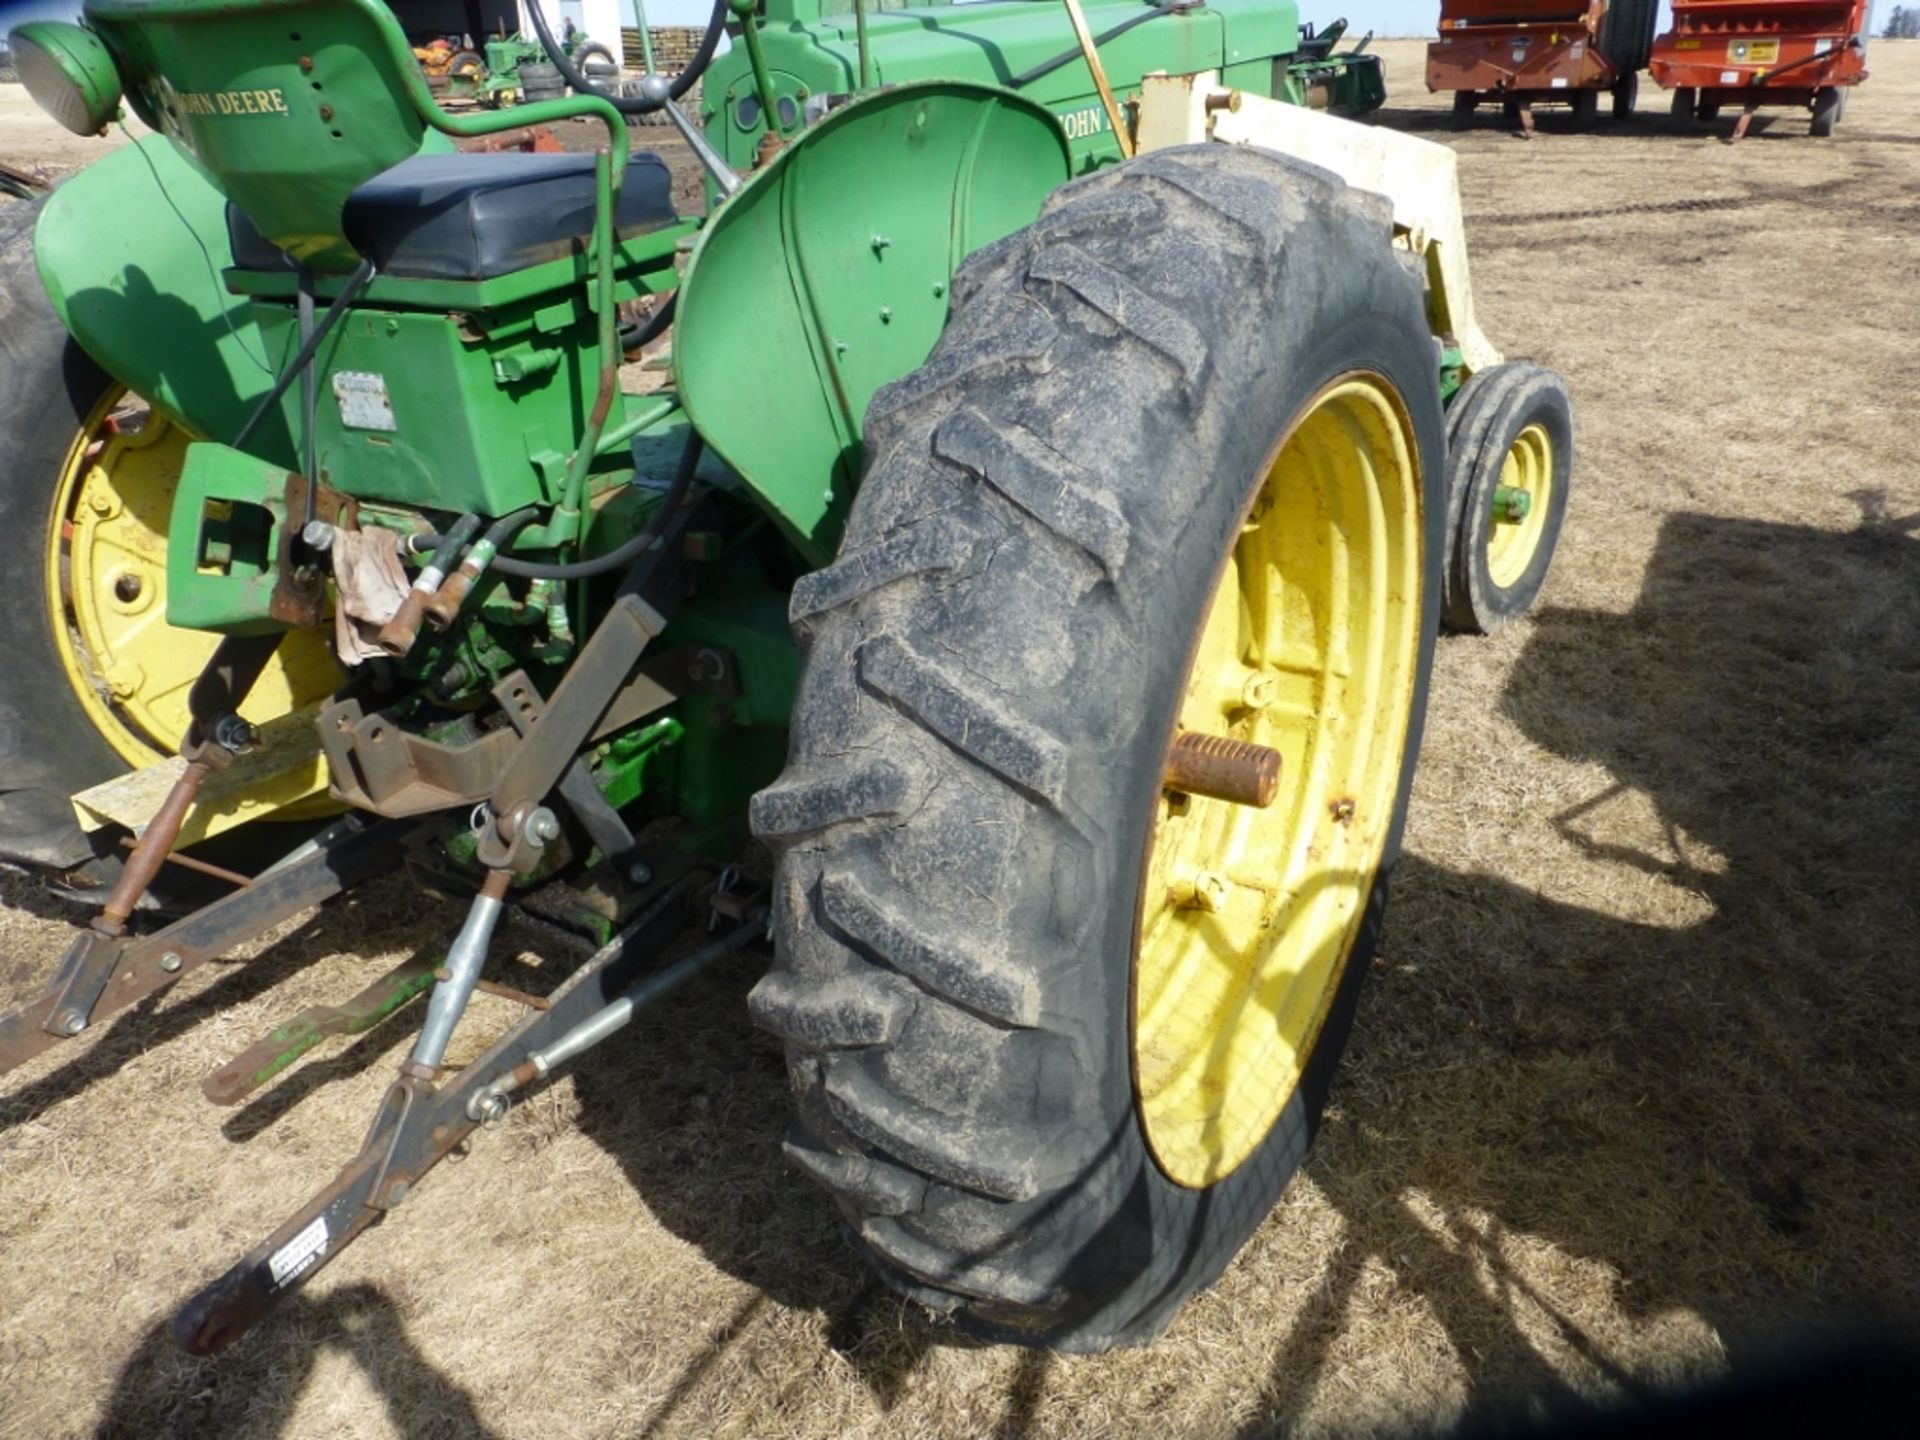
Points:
[(286, 105)]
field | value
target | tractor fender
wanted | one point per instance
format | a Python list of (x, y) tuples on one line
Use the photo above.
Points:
[(144, 297), (826, 276)]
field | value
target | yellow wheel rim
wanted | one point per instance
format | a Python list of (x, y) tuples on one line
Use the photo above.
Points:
[(1512, 544), (107, 593), (1247, 916)]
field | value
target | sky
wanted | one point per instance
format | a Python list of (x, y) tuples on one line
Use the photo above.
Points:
[(1384, 17)]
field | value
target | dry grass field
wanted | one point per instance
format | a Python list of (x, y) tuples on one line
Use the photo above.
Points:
[(1631, 1098)]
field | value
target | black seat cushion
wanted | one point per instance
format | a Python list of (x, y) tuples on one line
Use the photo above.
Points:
[(472, 217)]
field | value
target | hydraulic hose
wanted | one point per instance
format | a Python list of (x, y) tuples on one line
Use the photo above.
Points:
[(356, 282), (623, 555), (682, 83), (650, 329), (1073, 53), (614, 559), (445, 603), (396, 637)]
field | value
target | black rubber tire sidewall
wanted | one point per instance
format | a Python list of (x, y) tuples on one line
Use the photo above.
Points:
[(49, 747)]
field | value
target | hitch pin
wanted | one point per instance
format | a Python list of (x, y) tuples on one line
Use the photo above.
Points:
[(488, 1106)]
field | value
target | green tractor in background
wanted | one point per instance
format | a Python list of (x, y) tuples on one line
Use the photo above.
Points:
[(1045, 569)]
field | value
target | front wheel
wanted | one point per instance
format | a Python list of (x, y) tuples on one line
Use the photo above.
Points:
[(1510, 476), (1059, 1026)]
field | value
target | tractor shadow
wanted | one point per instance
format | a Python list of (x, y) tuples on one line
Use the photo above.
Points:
[(1711, 1117), (161, 1391), (1706, 1104), (1702, 1103), (121, 1037), (1703, 1110)]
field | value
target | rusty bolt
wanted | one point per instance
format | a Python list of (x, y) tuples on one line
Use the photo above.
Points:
[(1342, 811), (1224, 100), (306, 62), (1202, 890), (326, 112), (124, 679), (1223, 768)]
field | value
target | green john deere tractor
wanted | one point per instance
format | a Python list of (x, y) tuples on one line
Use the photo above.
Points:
[(1041, 554)]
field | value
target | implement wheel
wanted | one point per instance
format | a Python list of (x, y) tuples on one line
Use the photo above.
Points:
[(1826, 112), (1464, 104), (1059, 1033), (1586, 108), (96, 680), (1626, 90), (1510, 474), (1680, 115)]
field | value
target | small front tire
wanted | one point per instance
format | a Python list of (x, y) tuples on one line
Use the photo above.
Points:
[(1509, 434)]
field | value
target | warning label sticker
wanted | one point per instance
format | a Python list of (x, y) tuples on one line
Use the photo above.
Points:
[(1753, 52), (297, 1256)]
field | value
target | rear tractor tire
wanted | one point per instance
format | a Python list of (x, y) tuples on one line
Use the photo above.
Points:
[(466, 73), (1510, 475), (95, 681), (1059, 1034)]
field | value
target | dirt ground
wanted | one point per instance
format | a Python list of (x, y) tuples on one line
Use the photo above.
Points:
[(1631, 1098)]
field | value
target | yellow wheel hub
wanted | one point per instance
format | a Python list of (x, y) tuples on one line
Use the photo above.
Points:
[(1526, 468), (107, 591), (1247, 916)]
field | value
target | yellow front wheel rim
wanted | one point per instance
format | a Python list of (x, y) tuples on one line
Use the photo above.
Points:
[(1527, 467), (1247, 916), (107, 591)]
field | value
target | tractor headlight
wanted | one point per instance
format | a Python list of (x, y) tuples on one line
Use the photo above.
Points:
[(68, 72)]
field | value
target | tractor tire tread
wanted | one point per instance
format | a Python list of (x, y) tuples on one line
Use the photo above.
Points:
[(923, 831)]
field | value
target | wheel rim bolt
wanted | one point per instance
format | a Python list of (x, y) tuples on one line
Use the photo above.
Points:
[(1202, 890)]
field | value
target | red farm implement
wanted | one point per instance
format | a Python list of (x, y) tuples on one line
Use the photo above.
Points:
[(1521, 52), (1750, 53)]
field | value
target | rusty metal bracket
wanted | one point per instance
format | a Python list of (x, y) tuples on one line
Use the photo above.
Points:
[(378, 766), (115, 973), (599, 819), (300, 591)]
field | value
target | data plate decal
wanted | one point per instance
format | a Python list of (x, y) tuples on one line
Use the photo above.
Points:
[(363, 400), (297, 1256)]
